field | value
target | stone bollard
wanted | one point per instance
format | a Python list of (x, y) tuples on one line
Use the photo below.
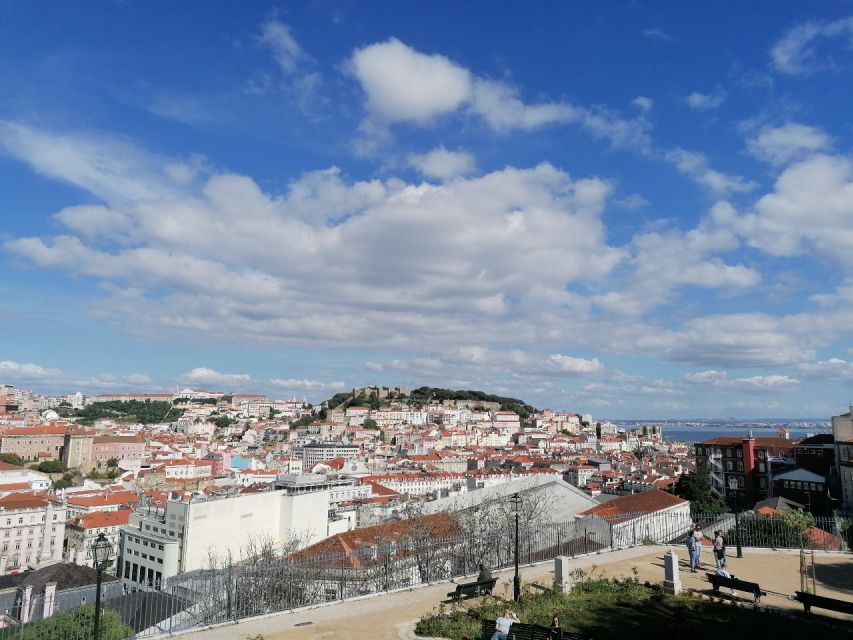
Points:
[(671, 577), (562, 580)]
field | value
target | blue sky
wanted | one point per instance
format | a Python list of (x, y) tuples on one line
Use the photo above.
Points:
[(634, 209)]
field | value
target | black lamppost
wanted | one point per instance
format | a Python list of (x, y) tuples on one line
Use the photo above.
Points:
[(733, 486), (516, 581), (101, 550)]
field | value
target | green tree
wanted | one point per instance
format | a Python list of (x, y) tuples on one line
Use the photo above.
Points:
[(51, 466), (12, 458), (370, 423), (62, 483), (112, 463), (696, 487), (68, 624)]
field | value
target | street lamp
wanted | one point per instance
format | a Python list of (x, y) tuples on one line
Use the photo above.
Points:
[(516, 581), (733, 486), (101, 550)]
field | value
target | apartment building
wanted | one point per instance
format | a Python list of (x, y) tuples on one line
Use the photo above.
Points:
[(32, 530), (320, 452), (842, 431), (81, 532), (161, 542), (751, 461), (43, 442)]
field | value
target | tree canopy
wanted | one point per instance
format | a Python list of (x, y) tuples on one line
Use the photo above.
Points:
[(145, 412), (696, 487)]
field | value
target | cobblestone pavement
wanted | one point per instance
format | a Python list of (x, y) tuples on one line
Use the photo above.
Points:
[(392, 616)]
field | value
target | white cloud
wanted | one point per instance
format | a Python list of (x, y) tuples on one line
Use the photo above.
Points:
[(791, 141), (402, 84), (796, 53), (405, 85), (500, 106), (695, 165), (643, 103), (332, 260), (15, 371), (443, 164), (575, 366), (830, 370), (657, 35), (735, 340), (306, 385), (203, 375), (705, 102), (632, 202), (56, 380), (278, 37), (720, 380), (809, 210), (298, 80)]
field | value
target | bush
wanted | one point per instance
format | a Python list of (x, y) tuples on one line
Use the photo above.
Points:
[(51, 466), (71, 623), (12, 458)]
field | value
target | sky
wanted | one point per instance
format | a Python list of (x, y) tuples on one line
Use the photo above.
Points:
[(629, 209)]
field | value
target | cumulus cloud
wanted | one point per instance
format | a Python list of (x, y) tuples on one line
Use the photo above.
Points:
[(791, 141), (809, 210), (203, 375), (443, 164), (705, 101), (402, 84), (798, 53), (331, 260)]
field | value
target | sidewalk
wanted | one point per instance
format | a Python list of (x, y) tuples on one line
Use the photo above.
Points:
[(391, 616)]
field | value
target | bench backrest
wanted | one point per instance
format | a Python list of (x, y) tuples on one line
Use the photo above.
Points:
[(734, 583), (824, 602), (521, 631)]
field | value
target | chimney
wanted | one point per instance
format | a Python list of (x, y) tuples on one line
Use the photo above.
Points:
[(748, 468), (49, 600), (26, 599)]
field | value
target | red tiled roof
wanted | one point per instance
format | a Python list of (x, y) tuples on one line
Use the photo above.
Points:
[(433, 526), (101, 499), (101, 519), (643, 502)]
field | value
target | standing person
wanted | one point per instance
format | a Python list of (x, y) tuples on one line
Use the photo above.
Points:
[(484, 574), (503, 624), (719, 549), (555, 631), (697, 548), (690, 542)]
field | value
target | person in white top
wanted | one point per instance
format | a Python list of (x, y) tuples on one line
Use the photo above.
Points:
[(503, 624)]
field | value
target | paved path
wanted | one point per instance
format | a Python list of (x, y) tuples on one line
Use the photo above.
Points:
[(392, 616)]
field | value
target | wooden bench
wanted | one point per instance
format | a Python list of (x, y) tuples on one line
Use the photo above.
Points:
[(472, 589), (735, 584), (521, 631), (810, 600)]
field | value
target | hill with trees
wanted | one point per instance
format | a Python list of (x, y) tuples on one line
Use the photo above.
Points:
[(145, 412), (425, 395)]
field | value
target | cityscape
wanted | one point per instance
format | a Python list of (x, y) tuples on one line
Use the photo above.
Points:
[(425, 320)]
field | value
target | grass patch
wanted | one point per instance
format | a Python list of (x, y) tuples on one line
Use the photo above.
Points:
[(625, 608)]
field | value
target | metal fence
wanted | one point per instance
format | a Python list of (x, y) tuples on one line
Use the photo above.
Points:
[(249, 589)]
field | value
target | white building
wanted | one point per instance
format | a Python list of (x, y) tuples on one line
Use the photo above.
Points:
[(32, 530), (159, 543)]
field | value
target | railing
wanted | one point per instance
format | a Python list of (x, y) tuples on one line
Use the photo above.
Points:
[(226, 594)]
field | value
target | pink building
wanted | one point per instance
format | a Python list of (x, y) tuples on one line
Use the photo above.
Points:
[(119, 447)]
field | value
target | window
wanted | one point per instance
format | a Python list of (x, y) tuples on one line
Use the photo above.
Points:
[(740, 481), (728, 453), (740, 453), (762, 482)]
